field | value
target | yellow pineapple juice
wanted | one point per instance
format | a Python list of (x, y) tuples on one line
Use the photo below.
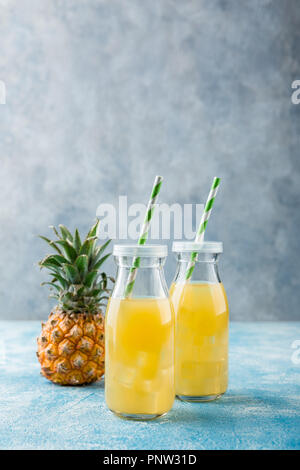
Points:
[(139, 373), (201, 345)]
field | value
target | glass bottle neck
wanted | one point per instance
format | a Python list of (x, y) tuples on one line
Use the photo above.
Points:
[(205, 270), (149, 281)]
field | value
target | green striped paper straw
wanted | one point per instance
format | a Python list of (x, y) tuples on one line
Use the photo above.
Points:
[(143, 234), (202, 226)]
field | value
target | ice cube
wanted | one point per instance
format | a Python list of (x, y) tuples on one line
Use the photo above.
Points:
[(146, 386), (124, 374), (189, 369)]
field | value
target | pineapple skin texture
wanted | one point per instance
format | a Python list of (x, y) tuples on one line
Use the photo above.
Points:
[(71, 348)]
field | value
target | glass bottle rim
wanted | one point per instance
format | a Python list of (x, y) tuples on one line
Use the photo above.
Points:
[(149, 251), (204, 247)]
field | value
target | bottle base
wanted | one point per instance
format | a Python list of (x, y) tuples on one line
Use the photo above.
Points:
[(138, 416), (199, 399)]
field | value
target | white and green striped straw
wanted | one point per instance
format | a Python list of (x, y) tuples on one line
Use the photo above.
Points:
[(202, 226), (143, 234)]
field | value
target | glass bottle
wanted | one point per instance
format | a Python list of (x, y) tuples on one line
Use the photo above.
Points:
[(139, 364)]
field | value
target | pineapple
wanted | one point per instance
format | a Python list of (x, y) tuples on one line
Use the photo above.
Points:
[(71, 344)]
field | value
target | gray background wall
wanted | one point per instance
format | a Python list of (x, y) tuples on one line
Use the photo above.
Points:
[(104, 94)]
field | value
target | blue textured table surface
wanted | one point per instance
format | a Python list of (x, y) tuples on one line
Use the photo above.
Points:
[(261, 409)]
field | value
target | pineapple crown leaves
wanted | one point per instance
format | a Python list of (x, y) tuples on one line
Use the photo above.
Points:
[(76, 281)]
